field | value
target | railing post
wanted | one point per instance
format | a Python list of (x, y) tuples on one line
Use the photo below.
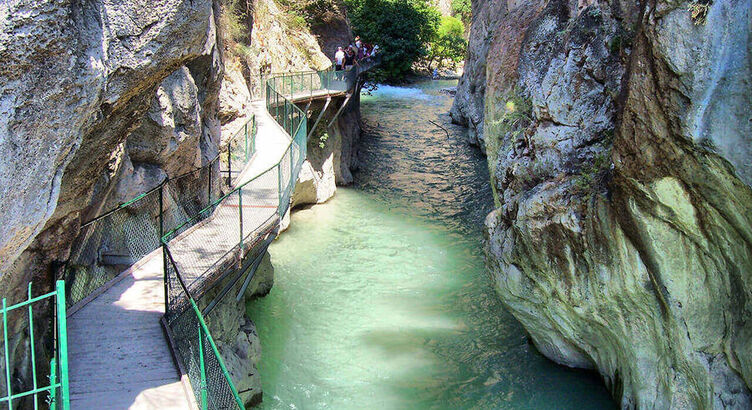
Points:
[(166, 285), (240, 214), (31, 347), (209, 183), (229, 164), (53, 383), (7, 358), (202, 367), (62, 342), (245, 129), (292, 159), (161, 210), (253, 134), (285, 118), (279, 188)]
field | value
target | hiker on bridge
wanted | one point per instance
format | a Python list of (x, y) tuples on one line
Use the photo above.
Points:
[(350, 58), (339, 59)]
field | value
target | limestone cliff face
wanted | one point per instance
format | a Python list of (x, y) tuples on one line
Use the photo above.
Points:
[(99, 100), (77, 80), (277, 46), (468, 103), (619, 143), (332, 153)]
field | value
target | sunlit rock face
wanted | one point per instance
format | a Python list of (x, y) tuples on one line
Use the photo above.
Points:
[(619, 141)]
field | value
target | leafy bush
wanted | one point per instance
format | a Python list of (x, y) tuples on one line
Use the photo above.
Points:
[(401, 28), (448, 43)]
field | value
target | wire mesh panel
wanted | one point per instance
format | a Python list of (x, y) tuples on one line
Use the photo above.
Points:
[(260, 198), (109, 244), (199, 251), (195, 348), (240, 149), (188, 194)]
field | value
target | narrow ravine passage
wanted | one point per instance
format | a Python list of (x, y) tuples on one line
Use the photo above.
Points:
[(381, 299)]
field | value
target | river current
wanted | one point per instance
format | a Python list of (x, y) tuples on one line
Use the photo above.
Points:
[(381, 299)]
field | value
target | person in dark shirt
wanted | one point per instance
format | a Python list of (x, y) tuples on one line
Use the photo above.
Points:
[(349, 59)]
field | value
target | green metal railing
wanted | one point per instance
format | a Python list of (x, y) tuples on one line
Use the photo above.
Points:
[(165, 216), (118, 238), (54, 391), (242, 215), (240, 151), (193, 267)]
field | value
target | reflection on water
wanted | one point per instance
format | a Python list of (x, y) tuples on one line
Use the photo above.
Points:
[(381, 298)]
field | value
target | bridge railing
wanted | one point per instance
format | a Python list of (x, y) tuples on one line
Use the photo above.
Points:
[(120, 237), (48, 386), (199, 253), (315, 84)]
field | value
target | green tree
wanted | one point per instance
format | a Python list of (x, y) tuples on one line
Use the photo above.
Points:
[(463, 10), (401, 28), (448, 43)]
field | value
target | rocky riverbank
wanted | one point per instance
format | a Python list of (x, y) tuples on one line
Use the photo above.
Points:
[(618, 140)]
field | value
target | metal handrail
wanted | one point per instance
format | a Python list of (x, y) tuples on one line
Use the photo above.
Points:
[(58, 390)]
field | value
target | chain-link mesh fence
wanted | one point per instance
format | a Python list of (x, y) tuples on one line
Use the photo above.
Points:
[(200, 251), (110, 243), (195, 348), (203, 232), (240, 150)]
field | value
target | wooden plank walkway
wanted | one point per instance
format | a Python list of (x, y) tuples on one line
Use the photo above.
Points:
[(119, 357)]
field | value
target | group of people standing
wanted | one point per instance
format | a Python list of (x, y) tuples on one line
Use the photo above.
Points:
[(346, 57)]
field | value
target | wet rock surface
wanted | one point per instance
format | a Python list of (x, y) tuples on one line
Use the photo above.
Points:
[(621, 235)]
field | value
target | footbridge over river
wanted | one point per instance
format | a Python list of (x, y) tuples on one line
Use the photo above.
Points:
[(144, 278)]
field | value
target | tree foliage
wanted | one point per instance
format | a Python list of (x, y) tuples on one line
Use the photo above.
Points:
[(401, 28), (448, 42), (463, 10)]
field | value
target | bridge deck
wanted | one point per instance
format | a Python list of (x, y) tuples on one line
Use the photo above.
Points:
[(118, 353)]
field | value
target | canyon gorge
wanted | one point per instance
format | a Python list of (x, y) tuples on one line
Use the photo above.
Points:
[(618, 141)]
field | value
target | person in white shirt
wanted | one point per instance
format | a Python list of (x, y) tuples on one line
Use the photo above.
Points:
[(339, 59)]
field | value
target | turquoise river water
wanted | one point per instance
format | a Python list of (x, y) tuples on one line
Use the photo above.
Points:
[(381, 299)]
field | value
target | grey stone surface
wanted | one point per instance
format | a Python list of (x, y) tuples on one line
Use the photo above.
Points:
[(468, 103), (618, 142)]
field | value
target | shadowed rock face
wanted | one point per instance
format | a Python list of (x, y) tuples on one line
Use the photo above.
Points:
[(78, 80), (468, 103), (618, 140)]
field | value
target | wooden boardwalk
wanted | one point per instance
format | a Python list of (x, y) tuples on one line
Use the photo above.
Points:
[(118, 353)]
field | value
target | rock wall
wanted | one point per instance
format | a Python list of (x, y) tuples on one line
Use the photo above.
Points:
[(235, 334), (101, 101), (468, 107), (332, 152), (78, 80), (618, 137)]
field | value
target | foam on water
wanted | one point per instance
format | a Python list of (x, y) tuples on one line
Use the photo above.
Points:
[(393, 92)]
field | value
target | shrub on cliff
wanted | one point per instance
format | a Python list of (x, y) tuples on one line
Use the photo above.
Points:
[(401, 28)]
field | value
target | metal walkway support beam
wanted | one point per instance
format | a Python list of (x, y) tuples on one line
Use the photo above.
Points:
[(321, 115), (344, 104)]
